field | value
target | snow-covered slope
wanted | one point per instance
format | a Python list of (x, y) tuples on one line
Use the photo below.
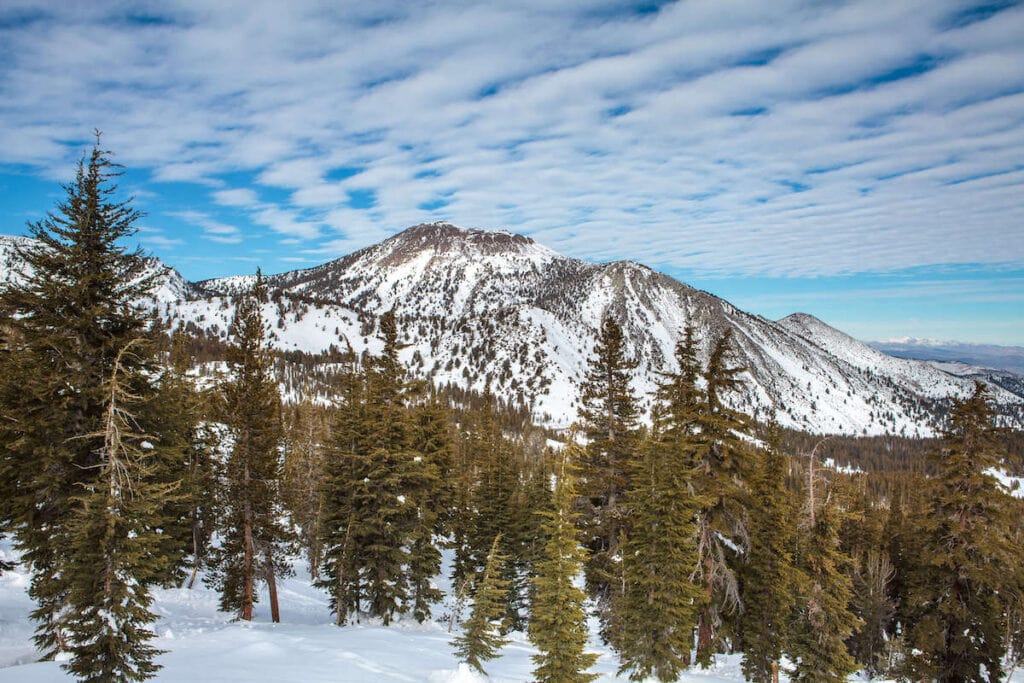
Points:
[(478, 307)]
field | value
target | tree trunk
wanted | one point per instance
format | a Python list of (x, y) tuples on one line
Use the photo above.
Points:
[(705, 623), (775, 672), (247, 558), (275, 610)]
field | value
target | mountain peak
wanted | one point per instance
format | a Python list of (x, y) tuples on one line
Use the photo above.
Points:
[(442, 235)]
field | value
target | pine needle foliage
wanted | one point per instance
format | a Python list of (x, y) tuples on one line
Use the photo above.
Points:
[(481, 637), (558, 621), (657, 611), (115, 548), (824, 621), (68, 315), (962, 580), (609, 418), (253, 536), (768, 574)]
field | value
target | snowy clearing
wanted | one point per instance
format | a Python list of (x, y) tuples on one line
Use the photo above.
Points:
[(204, 645)]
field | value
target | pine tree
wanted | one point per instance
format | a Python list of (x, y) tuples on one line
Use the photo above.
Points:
[(481, 637), (961, 582), (345, 474), (303, 475), (558, 625), (721, 470), (429, 490), (768, 573), (115, 547), (655, 616), (72, 310), (381, 493), (823, 621), (189, 443), (609, 416), (253, 537)]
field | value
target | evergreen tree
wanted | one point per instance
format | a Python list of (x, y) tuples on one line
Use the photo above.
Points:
[(253, 537), (481, 637), (189, 443), (345, 474), (654, 618), (72, 310), (823, 621), (609, 416), (721, 459), (115, 546), (381, 494), (962, 578), (768, 574), (304, 474), (862, 537), (558, 625), (429, 490)]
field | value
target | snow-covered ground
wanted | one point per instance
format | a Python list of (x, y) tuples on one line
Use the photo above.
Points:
[(204, 646)]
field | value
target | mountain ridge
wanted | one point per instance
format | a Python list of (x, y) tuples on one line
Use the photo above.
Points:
[(481, 308)]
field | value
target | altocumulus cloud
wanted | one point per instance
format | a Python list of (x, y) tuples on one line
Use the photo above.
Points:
[(712, 136)]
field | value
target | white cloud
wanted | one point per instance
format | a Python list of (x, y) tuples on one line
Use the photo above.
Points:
[(677, 138)]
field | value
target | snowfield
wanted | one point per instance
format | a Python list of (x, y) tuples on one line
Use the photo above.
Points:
[(205, 646)]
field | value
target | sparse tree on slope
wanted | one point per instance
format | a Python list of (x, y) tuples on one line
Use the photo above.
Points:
[(558, 622)]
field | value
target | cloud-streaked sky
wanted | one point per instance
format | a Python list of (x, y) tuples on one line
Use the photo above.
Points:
[(862, 161)]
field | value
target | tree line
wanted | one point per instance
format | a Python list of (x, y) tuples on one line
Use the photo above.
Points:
[(697, 533)]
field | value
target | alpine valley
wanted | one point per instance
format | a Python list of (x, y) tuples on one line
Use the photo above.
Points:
[(479, 308)]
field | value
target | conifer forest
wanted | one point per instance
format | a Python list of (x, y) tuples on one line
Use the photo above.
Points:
[(669, 529)]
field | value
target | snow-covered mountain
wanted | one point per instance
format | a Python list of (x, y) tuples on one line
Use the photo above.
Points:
[(478, 306)]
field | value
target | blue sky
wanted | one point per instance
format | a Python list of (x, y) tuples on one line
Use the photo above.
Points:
[(862, 161)]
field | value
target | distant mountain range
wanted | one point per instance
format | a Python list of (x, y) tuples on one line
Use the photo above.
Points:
[(1008, 358), (479, 307)]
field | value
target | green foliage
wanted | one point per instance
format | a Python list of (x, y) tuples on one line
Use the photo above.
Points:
[(381, 494), (608, 415), (959, 587), (68, 319), (823, 619), (115, 549), (558, 625), (768, 575), (481, 638), (253, 537), (655, 616), (303, 476)]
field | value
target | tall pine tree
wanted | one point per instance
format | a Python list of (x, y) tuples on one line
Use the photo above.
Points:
[(654, 618), (558, 622), (75, 307), (962, 580), (768, 575), (116, 540), (609, 418), (253, 536)]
